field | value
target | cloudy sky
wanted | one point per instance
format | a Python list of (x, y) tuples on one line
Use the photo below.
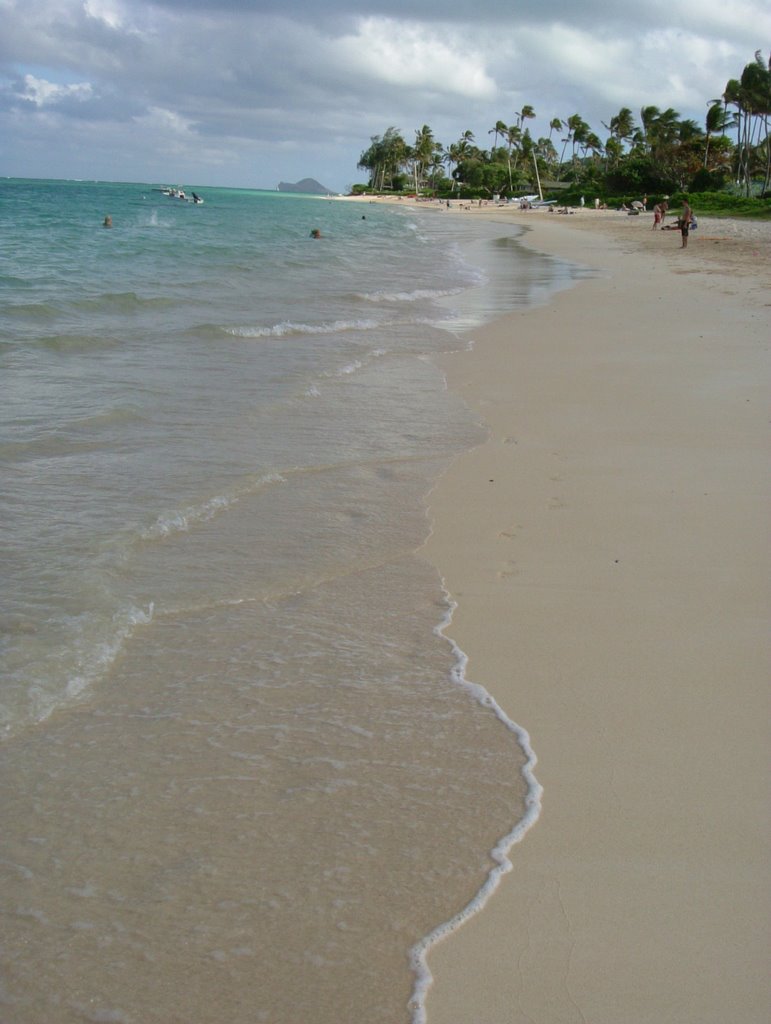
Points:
[(250, 92)]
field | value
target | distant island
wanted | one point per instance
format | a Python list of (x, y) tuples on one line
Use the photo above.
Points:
[(308, 185)]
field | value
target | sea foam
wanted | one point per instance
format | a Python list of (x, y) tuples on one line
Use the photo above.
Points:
[(499, 853)]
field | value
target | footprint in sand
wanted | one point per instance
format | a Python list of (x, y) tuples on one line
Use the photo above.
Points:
[(511, 532), (509, 569)]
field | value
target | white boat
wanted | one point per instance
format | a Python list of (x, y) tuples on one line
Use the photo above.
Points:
[(172, 192)]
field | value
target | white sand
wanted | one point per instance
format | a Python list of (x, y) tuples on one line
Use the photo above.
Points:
[(608, 548)]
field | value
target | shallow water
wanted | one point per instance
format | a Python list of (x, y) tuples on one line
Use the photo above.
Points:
[(244, 775)]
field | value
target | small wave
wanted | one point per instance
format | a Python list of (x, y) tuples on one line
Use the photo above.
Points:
[(32, 309), (413, 296), (96, 643), (98, 660), (182, 520), (17, 624), (350, 368), (287, 328), (74, 342), (124, 302), (107, 418), (71, 437)]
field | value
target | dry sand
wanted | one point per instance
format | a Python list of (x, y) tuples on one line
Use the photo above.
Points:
[(608, 549)]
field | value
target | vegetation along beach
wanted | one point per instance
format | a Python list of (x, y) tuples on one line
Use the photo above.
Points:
[(386, 582)]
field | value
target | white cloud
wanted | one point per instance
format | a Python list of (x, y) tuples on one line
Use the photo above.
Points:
[(108, 11), (411, 55), (165, 121), (43, 93)]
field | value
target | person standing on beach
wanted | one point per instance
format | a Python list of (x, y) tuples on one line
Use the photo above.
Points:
[(685, 223)]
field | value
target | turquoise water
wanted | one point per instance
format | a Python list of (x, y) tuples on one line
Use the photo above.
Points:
[(247, 777)]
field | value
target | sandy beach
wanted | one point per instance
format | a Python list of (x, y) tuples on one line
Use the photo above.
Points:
[(609, 552)]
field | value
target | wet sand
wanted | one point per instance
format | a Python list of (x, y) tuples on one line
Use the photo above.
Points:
[(608, 548)]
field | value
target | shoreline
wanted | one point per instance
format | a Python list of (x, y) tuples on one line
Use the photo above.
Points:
[(607, 551)]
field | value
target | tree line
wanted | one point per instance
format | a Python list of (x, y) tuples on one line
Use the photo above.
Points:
[(660, 153)]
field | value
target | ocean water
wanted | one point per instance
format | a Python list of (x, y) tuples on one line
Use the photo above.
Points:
[(245, 776)]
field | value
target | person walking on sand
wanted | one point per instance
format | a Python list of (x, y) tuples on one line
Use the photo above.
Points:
[(685, 223), (656, 217)]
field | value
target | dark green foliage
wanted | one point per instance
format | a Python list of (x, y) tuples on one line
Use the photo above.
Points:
[(717, 204), (709, 181)]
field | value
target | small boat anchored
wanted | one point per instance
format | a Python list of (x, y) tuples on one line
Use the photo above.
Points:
[(172, 192)]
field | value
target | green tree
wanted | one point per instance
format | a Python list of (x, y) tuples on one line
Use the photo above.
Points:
[(513, 138), (716, 123), (422, 154), (499, 131), (754, 101), (384, 158), (621, 128), (555, 125), (547, 154)]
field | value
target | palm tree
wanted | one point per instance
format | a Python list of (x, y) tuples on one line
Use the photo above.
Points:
[(716, 122), (499, 129), (755, 96), (525, 114), (422, 153), (384, 157), (648, 117), (613, 153), (592, 143), (574, 124), (746, 94), (544, 149), (579, 131), (437, 161), (555, 125), (452, 157), (513, 136), (622, 126)]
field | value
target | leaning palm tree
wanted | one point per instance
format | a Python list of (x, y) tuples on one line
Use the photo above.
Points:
[(499, 130), (525, 114), (555, 125), (648, 116), (621, 126), (755, 96), (716, 122)]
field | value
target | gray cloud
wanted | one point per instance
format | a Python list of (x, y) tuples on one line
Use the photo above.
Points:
[(247, 93)]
